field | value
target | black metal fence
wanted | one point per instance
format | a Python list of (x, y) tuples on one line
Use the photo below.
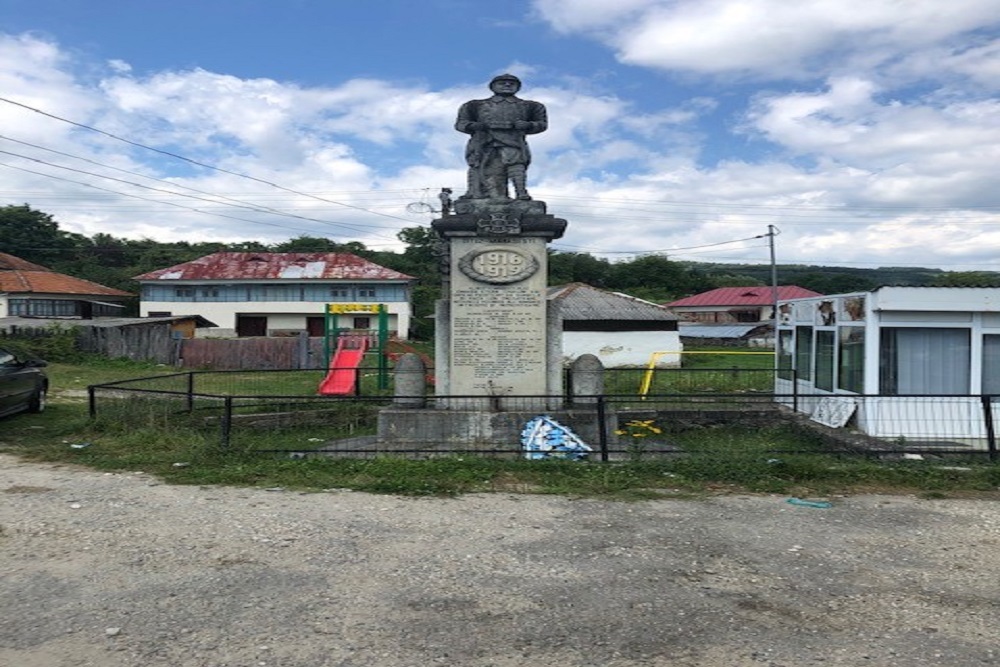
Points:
[(279, 411)]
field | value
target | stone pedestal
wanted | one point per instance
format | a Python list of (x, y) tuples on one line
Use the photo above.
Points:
[(496, 336)]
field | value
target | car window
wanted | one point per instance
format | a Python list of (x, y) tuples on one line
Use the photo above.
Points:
[(7, 359)]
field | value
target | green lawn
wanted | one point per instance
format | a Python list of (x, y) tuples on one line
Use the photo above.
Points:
[(714, 460)]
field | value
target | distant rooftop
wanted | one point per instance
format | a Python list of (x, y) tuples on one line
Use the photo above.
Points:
[(742, 296), (579, 301), (277, 266), (18, 276)]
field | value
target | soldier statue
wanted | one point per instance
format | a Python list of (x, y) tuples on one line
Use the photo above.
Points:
[(497, 152)]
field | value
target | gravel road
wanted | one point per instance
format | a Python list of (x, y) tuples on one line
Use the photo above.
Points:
[(112, 570)]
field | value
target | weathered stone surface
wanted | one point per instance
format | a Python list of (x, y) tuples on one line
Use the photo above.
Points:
[(506, 206), (587, 377), (502, 223), (498, 317), (448, 429), (410, 382)]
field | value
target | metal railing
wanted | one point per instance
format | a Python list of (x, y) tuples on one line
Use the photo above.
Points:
[(278, 411)]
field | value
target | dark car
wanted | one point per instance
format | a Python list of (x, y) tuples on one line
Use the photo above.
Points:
[(23, 384)]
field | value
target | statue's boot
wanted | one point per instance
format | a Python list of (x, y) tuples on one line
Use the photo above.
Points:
[(473, 185), (518, 176)]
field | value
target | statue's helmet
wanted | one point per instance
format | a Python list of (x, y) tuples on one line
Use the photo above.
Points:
[(505, 77)]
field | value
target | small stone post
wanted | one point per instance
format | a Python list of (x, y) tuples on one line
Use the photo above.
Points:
[(587, 373), (411, 382)]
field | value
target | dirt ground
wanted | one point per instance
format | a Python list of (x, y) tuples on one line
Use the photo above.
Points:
[(117, 570)]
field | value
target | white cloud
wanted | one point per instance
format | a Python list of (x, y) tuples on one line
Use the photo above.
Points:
[(576, 15), (846, 168), (767, 38), (918, 151)]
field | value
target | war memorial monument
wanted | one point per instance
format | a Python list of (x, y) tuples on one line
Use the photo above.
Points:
[(498, 341)]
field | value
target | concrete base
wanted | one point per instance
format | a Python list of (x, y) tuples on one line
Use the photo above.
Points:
[(443, 430)]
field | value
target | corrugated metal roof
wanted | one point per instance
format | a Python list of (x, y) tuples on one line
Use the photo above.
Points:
[(276, 266), (732, 331), (20, 277), (101, 322), (579, 301), (743, 296)]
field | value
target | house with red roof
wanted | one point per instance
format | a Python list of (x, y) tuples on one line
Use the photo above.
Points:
[(31, 290), (275, 294), (732, 305)]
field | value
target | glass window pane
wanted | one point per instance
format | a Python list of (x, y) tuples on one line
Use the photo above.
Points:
[(925, 361), (852, 359), (824, 360), (803, 352), (991, 364), (785, 351)]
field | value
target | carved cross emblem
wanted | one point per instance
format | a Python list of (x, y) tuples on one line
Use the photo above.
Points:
[(499, 224)]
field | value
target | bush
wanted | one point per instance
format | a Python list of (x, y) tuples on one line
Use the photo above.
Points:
[(54, 343)]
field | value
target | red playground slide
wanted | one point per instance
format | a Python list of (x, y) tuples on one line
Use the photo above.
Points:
[(343, 367)]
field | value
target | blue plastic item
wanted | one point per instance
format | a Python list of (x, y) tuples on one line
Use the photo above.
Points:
[(818, 504), (545, 438)]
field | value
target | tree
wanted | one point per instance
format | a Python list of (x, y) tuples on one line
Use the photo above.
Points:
[(306, 243), (578, 267), (967, 279), (35, 236)]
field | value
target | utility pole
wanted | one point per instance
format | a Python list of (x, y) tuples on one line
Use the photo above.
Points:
[(773, 231)]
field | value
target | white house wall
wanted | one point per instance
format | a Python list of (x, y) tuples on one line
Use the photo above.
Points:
[(280, 314), (623, 348), (927, 299)]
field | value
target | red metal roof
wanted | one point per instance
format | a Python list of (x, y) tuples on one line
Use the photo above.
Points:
[(276, 266), (742, 296), (20, 277)]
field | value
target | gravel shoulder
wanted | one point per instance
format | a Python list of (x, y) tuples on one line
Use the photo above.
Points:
[(120, 570)]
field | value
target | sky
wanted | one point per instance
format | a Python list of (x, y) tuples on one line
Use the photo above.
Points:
[(863, 133)]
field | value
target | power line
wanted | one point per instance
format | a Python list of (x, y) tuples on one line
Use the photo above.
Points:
[(125, 194), (663, 250), (237, 204), (195, 162), (770, 206)]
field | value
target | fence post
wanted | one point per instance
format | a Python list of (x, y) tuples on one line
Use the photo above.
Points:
[(190, 392), (227, 421), (991, 436), (602, 428), (795, 390), (92, 401)]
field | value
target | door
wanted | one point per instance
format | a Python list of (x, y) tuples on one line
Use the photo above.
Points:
[(315, 326), (251, 325)]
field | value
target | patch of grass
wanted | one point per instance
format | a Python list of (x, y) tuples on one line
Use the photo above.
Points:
[(726, 357), (711, 460)]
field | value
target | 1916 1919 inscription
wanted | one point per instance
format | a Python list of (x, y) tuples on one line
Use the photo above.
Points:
[(498, 266)]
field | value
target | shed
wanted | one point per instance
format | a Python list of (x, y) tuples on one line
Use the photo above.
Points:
[(735, 335), (621, 330), (154, 339)]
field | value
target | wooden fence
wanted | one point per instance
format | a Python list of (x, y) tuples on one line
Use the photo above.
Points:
[(157, 342), (252, 353), (153, 341)]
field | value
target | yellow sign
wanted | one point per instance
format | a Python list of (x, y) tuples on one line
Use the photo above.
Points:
[(353, 307)]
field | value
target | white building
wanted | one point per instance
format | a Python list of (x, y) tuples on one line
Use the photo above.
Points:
[(30, 290), (908, 363), (621, 330), (268, 294)]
